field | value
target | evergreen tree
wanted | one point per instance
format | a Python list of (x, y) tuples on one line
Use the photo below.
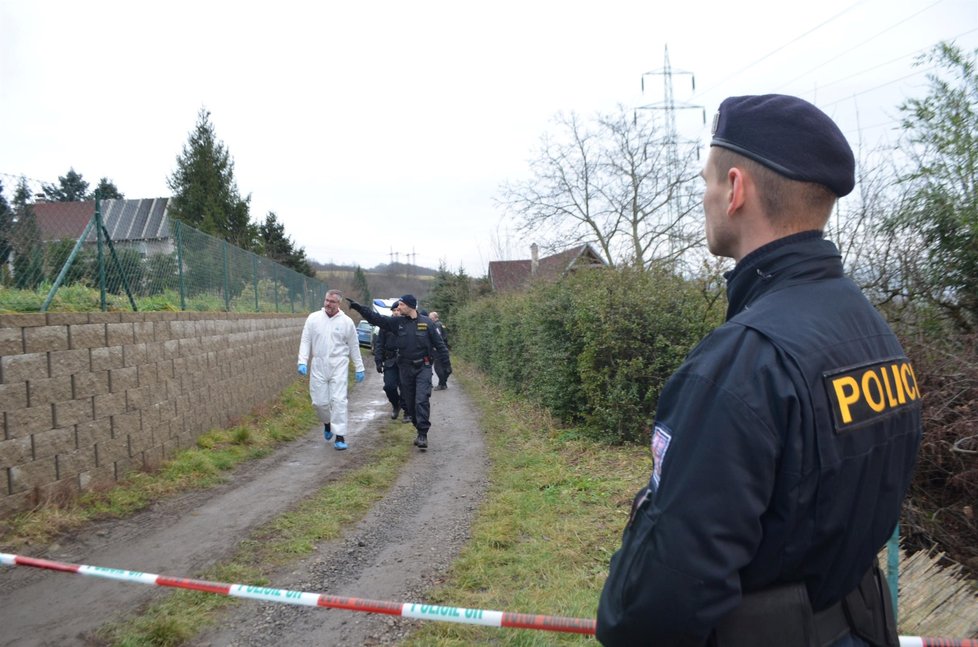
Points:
[(276, 246), (106, 190), (6, 226), (449, 292), (71, 187), (300, 263), (205, 194), (360, 287)]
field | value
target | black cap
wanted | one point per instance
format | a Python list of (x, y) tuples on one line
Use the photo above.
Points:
[(409, 301), (789, 136)]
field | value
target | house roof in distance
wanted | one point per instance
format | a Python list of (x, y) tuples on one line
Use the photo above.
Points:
[(125, 220)]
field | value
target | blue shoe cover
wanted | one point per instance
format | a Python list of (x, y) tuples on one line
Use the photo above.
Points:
[(340, 444), (327, 434)]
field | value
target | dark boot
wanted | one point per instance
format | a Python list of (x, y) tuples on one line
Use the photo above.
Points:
[(421, 442), (396, 410)]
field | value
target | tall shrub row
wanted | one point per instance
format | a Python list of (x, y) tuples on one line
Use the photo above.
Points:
[(594, 348)]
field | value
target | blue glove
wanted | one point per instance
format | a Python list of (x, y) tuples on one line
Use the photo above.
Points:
[(302, 369), (359, 376)]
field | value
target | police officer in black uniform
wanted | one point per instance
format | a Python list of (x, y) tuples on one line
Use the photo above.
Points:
[(784, 445), (417, 344), (385, 357), (440, 371)]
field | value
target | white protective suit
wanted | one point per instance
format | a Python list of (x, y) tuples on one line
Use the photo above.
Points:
[(332, 342)]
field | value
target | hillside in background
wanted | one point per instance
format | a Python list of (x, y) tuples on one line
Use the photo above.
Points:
[(403, 269), (384, 281)]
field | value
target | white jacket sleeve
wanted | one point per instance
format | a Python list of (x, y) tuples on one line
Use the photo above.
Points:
[(305, 342)]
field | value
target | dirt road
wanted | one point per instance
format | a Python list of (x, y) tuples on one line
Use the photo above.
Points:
[(403, 545)]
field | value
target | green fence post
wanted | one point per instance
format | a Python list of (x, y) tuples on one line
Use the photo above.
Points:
[(101, 259), (179, 237), (893, 568), (64, 268), (254, 259), (275, 287), (119, 269), (227, 295)]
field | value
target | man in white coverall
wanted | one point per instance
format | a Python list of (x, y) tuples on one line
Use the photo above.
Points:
[(332, 338)]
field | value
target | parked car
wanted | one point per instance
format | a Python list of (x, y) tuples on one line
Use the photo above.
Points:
[(365, 334)]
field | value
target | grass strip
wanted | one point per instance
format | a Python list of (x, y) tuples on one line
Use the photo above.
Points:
[(550, 523), (206, 464), (179, 616)]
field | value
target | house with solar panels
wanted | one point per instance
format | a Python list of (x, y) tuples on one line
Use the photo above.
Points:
[(141, 225)]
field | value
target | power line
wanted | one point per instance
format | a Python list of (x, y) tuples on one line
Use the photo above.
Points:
[(791, 42), (864, 42), (869, 69)]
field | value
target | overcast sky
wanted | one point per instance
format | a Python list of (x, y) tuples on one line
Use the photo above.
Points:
[(383, 130)]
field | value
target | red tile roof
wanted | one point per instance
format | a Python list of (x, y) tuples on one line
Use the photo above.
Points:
[(60, 220), (516, 275), (140, 219)]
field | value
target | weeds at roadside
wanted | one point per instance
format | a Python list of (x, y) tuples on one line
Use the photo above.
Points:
[(545, 534)]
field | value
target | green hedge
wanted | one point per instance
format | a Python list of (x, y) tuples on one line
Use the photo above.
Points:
[(595, 348)]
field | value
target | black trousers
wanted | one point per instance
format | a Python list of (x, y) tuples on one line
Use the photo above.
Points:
[(416, 393), (441, 372), (392, 385)]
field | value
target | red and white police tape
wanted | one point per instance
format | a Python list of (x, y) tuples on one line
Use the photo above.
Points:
[(418, 611)]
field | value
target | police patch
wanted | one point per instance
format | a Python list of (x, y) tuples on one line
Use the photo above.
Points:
[(863, 394), (661, 438), (422, 326)]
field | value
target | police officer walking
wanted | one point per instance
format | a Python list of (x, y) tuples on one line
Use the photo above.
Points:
[(441, 371), (417, 344), (784, 445), (385, 357)]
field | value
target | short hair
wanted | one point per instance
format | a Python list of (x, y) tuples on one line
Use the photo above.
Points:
[(335, 292), (806, 203)]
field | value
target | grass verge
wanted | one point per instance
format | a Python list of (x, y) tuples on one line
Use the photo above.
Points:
[(204, 465), (320, 517), (553, 517)]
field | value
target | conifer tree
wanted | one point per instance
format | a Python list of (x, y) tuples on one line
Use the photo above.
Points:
[(205, 194)]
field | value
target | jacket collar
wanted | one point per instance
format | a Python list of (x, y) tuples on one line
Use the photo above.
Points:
[(806, 255)]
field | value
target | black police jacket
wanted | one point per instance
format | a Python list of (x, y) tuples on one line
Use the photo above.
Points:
[(782, 447), (385, 348), (415, 338)]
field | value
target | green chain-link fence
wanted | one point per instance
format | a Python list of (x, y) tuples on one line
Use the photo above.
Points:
[(180, 268)]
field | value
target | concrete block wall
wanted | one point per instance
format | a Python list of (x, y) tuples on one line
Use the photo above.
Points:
[(87, 397)]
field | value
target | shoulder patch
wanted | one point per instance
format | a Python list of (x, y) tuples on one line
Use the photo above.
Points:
[(661, 437), (422, 326), (863, 394)]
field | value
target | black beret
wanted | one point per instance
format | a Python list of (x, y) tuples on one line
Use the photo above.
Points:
[(789, 136)]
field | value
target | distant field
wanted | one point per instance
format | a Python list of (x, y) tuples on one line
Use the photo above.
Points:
[(347, 275)]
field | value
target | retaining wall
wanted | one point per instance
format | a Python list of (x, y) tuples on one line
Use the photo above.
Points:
[(88, 397)]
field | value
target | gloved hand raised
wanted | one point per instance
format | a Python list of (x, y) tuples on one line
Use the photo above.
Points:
[(359, 376), (353, 304), (303, 370)]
